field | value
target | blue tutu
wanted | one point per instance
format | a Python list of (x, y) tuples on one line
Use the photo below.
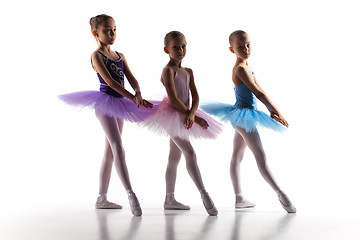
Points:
[(246, 118), (244, 113)]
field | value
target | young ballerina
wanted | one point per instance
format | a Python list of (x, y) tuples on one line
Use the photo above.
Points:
[(180, 120), (113, 104), (245, 118)]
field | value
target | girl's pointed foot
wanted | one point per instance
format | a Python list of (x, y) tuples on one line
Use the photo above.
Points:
[(209, 204), (286, 203), (134, 205)]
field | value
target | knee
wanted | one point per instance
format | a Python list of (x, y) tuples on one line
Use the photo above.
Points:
[(118, 150), (237, 157), (261, 158), (190, 153), (109, 159), (108, 155), (174, 158), (190, 156)]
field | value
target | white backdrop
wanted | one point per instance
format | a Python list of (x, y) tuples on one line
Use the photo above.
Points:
[(305, 55)]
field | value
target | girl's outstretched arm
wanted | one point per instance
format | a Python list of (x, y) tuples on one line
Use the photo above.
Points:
[(241, 75), (99, 66)]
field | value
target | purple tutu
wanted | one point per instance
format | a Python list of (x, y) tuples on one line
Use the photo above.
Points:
[(169, 121), (117, 107)]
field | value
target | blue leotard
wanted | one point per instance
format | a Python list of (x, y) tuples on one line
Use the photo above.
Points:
[(244, 97), (244, 112)]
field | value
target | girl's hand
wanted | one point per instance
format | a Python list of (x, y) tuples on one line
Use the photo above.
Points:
[(201, 122), (146, 104), (138, 99), (278, 117), (189, 120)]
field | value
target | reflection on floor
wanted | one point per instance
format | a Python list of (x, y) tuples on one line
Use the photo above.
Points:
[(157, 224)]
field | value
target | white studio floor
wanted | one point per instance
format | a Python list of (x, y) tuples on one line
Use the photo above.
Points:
[(157, 224)]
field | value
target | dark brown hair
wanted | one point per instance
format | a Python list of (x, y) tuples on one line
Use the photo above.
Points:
[(235, 34), (171, 35), (98, 20)]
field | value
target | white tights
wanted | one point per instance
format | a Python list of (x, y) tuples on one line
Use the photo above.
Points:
[(114, 152), (253, 141), (178, 146)]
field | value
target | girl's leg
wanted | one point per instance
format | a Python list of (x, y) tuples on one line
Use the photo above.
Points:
[(254, 142), (171, 170), (239, 146), (113, 135), (194, 172), (105, 169), (170, 177), (104, 179), (191, 162), (113, 128)]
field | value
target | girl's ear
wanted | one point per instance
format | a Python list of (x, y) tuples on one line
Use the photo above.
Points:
[(94, 33), (165, 50), (231, 49)]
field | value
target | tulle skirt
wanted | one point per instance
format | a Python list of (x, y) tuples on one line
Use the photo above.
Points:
[(169, 121), (117, 107), (246, 118)]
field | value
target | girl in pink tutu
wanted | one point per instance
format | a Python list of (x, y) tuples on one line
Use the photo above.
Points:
[(180, 120), (113, 104)]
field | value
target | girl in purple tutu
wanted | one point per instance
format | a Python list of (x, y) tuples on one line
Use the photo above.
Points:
[(113, 104), (181, 120), (245, 118)]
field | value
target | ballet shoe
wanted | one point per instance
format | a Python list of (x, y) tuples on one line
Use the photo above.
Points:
[(134, 205), (105, 204), (212, 211), (286, 203), (175, 205), (245, 204)]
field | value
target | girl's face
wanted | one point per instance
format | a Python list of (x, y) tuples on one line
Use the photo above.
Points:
[(176, 48), (241, 46), (106, 33)]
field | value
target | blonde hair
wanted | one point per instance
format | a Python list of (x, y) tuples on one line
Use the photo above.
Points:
[(172, 35)]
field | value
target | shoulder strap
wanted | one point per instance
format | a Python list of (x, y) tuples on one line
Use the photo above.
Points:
[(102, 54), (91, 58)]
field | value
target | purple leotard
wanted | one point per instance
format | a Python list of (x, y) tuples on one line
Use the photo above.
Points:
[(116, 70)]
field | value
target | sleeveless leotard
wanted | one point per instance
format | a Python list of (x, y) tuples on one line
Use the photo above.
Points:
[(244, 112), (116, 70), (182, 87), (244, 97)]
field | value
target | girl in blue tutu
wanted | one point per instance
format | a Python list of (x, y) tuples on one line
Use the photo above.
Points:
[(113, 104), (245, 118)]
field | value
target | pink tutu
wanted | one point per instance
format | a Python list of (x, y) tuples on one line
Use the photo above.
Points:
[(118, 107), (169, 121)]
